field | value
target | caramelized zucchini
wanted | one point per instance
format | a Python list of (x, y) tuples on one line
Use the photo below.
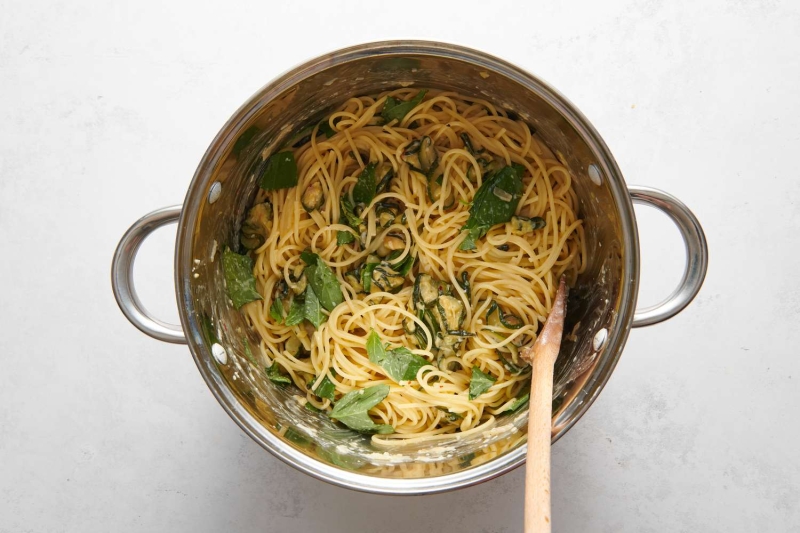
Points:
[(255, 228), (425, 291), (523, 225), (451, 312), (428, 156), (386, 279), (313, 197)]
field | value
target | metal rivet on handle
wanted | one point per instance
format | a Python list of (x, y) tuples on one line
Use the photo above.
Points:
[(600, 339), (214, 192), (219, 353), (595, 175)]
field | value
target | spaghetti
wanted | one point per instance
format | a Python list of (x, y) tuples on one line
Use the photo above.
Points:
[(417, 268)]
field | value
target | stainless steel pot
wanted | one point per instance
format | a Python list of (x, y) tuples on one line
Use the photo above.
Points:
[(602, 304)]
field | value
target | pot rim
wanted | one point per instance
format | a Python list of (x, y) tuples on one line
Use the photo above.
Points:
[(197, 193)]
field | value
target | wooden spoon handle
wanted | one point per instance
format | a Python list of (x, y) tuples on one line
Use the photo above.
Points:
[(542, 357), (537, 467)]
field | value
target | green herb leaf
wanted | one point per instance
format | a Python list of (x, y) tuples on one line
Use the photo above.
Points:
[(244, 140), (489, 207), (296, 313), (363, 423), (469, 239), (519, 402), (352, 408), (280, 172), (293, 436), (452, 417), (274, 374), (308, 257), (247, 352), (312, 311), (311, 407), (325, 127), (276, 311), (209, 330), (364, 189), (239, 279), (404, 266), (350, 462), (366, 276), (325, 389), (348, 213), (348, 218), (479, 383), (359, 401), (344, 237), (395, 109), (324, 282), (400, 364)]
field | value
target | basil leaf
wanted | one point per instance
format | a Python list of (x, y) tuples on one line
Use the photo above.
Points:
[(209, 330), (364, 189), (325, 389), (395, 109), (301, 137), (296, 313), (324, 282), (348, 213), (276, 311), (244, 140), (375, 348), (366, 276), (239, 279), (293, 436), (351, 462), (348, 218), (451, 417), (280, 172), (488, 206), (400, 364), (247, 352), (363, 423), (344, 237), (472, 235), (404, 266), (519, 402), (311, 407), (311, 308), (359, 401), (309, 257), (274, 374), (479, 383), (325, 127)]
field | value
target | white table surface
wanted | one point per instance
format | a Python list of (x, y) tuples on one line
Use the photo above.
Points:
[(106, 109)]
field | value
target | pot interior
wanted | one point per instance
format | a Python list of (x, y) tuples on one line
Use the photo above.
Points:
[(599, 309)]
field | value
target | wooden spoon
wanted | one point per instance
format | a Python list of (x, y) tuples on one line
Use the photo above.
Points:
[(542, 357)]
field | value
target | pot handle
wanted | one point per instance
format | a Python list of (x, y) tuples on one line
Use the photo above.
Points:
[(696, 255), (122, 276)]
